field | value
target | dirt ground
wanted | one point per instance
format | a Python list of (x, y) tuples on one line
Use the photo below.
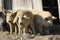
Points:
[(6, 36)]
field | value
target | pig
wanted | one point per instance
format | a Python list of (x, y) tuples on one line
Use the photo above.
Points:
[(9, 19), (42, 20), (25, 18)]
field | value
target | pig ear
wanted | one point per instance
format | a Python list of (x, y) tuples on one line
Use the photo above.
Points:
[(24, 16), (53, 17), (7, 11)]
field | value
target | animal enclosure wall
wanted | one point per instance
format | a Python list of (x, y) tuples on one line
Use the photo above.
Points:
[(8, 4), (1, 6), (27, 4), (21, 4), (59, 9)]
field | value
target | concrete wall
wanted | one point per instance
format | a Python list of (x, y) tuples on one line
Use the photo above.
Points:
[(21, 4), (37, 4), (1, 5), (27, 4), (59, 9), (8, 4)]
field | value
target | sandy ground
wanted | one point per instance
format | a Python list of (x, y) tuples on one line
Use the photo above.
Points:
[(6, 36)]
